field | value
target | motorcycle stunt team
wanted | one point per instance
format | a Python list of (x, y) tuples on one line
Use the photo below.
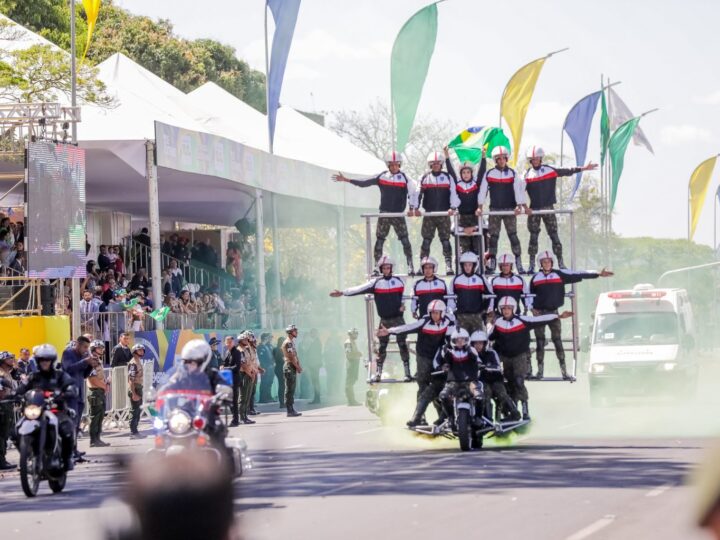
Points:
[(472, 329)]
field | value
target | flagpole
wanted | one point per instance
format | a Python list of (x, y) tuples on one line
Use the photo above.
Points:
[(715, 207), (562, 137), (73, 70), (267, 80)]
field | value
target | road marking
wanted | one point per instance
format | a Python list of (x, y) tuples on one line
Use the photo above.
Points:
[(658, 490), (294, 446), (370, 430), (592, 528), (341, 488), (568, 426)]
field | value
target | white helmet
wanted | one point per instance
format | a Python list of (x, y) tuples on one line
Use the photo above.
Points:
[(478, 335), (505, 258), (429, 260), (45, 351), (459, 333), (507, 301), (469, 257), (535, 152), (196, 350), (435, 156), (393, 156), (383, 260), (499, 151), (137, 347), (97, 344), (437, 305), (545, 255)]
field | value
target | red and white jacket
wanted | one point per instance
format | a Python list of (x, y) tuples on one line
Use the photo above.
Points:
[(513, 286), (512, 337), (469, 291), (387, 292), (425, 291), (549, 288), (431, 335)]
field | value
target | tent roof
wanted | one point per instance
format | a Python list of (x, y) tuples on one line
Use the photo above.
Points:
[(296, 136)]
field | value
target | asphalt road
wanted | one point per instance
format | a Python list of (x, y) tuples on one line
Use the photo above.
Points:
[(337, 472)]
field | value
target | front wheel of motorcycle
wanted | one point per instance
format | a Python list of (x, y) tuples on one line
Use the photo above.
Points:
[(464, 428), (58, 484), (29, 467)]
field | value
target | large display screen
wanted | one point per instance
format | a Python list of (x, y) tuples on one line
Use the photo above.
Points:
[(55, 211)]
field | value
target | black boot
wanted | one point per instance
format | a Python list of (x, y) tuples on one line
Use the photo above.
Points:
[(408, 376), (525, 412), (519, 265), (541, 369), (5, 466), (417, 418), (563, 371), (561, 263), (378, 372), (490, 265), (411, 270), (291, 412), (246, 420), (449, 267)]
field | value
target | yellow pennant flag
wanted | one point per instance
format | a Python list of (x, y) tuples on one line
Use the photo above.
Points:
[(699, 182), (92, 9), (516, 100)]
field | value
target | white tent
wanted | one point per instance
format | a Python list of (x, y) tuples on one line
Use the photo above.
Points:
[(296, 136)]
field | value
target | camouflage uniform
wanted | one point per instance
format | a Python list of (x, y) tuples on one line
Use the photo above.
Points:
[(541, 340), (384, 340), (470, 321), (551, 226), (515, 369), (383, 229), (427, 231), (135, 380), (289, 371), (352, 358), (510, 222), (468, 243)]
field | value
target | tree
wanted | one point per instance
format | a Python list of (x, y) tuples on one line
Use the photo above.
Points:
[(42, 73), (183, 63), (371, 131)]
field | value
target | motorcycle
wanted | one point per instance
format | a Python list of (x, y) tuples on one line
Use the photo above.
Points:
[(189, 420), (40, 443)]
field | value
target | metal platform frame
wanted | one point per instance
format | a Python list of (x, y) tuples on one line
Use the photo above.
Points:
[(370, 266)]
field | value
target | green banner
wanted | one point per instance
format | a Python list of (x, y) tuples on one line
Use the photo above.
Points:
[(411, 54), (617, 146)]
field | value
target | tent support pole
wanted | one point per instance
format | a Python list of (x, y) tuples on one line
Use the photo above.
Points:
[(341, 260), (276, 255), (260, 254), (154, 216)]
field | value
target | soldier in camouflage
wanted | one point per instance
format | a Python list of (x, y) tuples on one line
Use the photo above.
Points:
[(291, 370), (352, 364)]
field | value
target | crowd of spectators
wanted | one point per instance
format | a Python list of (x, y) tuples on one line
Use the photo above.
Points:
[(12, 246)]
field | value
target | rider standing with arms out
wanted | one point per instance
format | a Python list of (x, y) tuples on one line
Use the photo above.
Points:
[(540, 183), (548, 286), (292, 369), (396, 189), (387, 291)]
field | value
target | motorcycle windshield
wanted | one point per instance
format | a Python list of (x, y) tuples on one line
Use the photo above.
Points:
[(190, 401)]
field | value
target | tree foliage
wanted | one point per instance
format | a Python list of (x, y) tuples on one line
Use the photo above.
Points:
[(371, 130), (186, 64)]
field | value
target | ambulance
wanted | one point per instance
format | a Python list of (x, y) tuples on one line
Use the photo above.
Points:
[(642, 344)]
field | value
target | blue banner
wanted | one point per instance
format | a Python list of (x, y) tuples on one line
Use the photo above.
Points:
[(285, 14), (577, 126)]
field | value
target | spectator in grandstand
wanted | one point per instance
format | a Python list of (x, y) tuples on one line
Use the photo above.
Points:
[(187, 303), (168, 246), (4, 236), (139, 281), (18, 265), (177, 280), (89, 309), (20, 231), (103, 259), (118, 262), (234, 265)]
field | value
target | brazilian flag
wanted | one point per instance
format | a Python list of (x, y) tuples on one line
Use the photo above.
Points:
[(468, 145)]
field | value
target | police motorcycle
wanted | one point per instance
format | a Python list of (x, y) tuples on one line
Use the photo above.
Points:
[(39, 440), (187, 412)]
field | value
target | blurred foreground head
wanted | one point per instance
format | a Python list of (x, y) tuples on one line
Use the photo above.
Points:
[(707, 481), (187, 495)]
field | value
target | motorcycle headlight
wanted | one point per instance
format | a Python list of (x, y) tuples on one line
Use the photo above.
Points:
[(669, 366), (179, 422), (597, 368), (32, 412)]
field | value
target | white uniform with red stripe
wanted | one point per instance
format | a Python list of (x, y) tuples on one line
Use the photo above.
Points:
[(549, 288), (506, 189), (541, 183), (431, 334), (512, 337), (388, 292), (513, 286), (425, 291)]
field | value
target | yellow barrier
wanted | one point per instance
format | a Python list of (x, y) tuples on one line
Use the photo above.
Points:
[(18, 332)]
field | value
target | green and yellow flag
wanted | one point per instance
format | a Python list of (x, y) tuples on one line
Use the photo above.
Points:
[(92, 9), (469, 143), (616, 146), (699, 183), (516, 100)]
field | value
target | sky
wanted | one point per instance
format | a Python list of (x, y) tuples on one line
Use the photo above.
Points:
[(665, 53)]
